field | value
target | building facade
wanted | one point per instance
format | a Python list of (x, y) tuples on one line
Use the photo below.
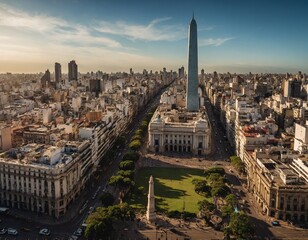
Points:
[(72, 71), (280, 192), (58, 73), (43, 178), (180, 132)]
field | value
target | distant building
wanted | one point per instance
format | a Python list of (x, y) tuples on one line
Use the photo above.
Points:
[(95, 86), (181, 72), (292, 88), (45, 80), (72, 71), (58, 73)]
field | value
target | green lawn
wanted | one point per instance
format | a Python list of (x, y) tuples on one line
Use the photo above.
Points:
[(173, 189)]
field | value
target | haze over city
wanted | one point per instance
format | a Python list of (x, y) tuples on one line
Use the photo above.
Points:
[(235, 36)]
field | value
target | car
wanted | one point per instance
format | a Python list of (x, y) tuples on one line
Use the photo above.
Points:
[(90, 210), (12, 231), (78, 232), (3, 231), (44, 231), (275, 223)]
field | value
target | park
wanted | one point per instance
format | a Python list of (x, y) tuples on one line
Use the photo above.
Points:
[(173, 188)]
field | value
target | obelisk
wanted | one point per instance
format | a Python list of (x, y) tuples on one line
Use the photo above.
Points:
[(192, 97), (151, 215)]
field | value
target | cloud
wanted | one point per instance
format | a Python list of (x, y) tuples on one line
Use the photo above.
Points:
[(156, 30), (213, 41), (56, 29)]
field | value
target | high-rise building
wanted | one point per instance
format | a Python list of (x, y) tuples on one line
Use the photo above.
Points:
[(192, 97), (58, 73), (181, 72), (45, 80), (72, 71)]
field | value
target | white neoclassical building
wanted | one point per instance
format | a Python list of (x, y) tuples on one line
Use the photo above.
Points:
[(179, 131)]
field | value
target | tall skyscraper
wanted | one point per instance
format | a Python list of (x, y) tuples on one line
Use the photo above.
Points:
[(58, 73), (181, 72), (72, 71), (45, 80), (192, 98)]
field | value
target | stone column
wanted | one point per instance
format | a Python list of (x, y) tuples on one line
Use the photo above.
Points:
[(151, 215)]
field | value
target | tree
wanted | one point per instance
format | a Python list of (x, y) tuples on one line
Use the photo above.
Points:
[(135, 145), (126, 173), (107, 199), (131, 155), (99, 225), (116, 181), (205, 208), (100, 222), (220, 191), (144, 126), (201, 187), (136, 137), (221, 171), (215, 179), (231, 200), (138, 132), (240, 226), (226, 210), (122, 212), (127, 165)]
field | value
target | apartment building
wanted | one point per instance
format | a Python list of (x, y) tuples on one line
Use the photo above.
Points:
[(43, 178)]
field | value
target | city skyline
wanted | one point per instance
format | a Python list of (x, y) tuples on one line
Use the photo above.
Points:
[(236, 37)]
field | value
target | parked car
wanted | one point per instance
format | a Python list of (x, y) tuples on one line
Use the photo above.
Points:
[(12, 231), (90, 210), (3, 231), (44, 231), (275, 223), (78, 232)]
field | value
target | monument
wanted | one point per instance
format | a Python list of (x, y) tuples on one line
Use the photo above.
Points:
[(192, 97), (151, 215)]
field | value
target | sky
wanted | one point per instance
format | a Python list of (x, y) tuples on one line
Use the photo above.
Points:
[(236, 36)]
